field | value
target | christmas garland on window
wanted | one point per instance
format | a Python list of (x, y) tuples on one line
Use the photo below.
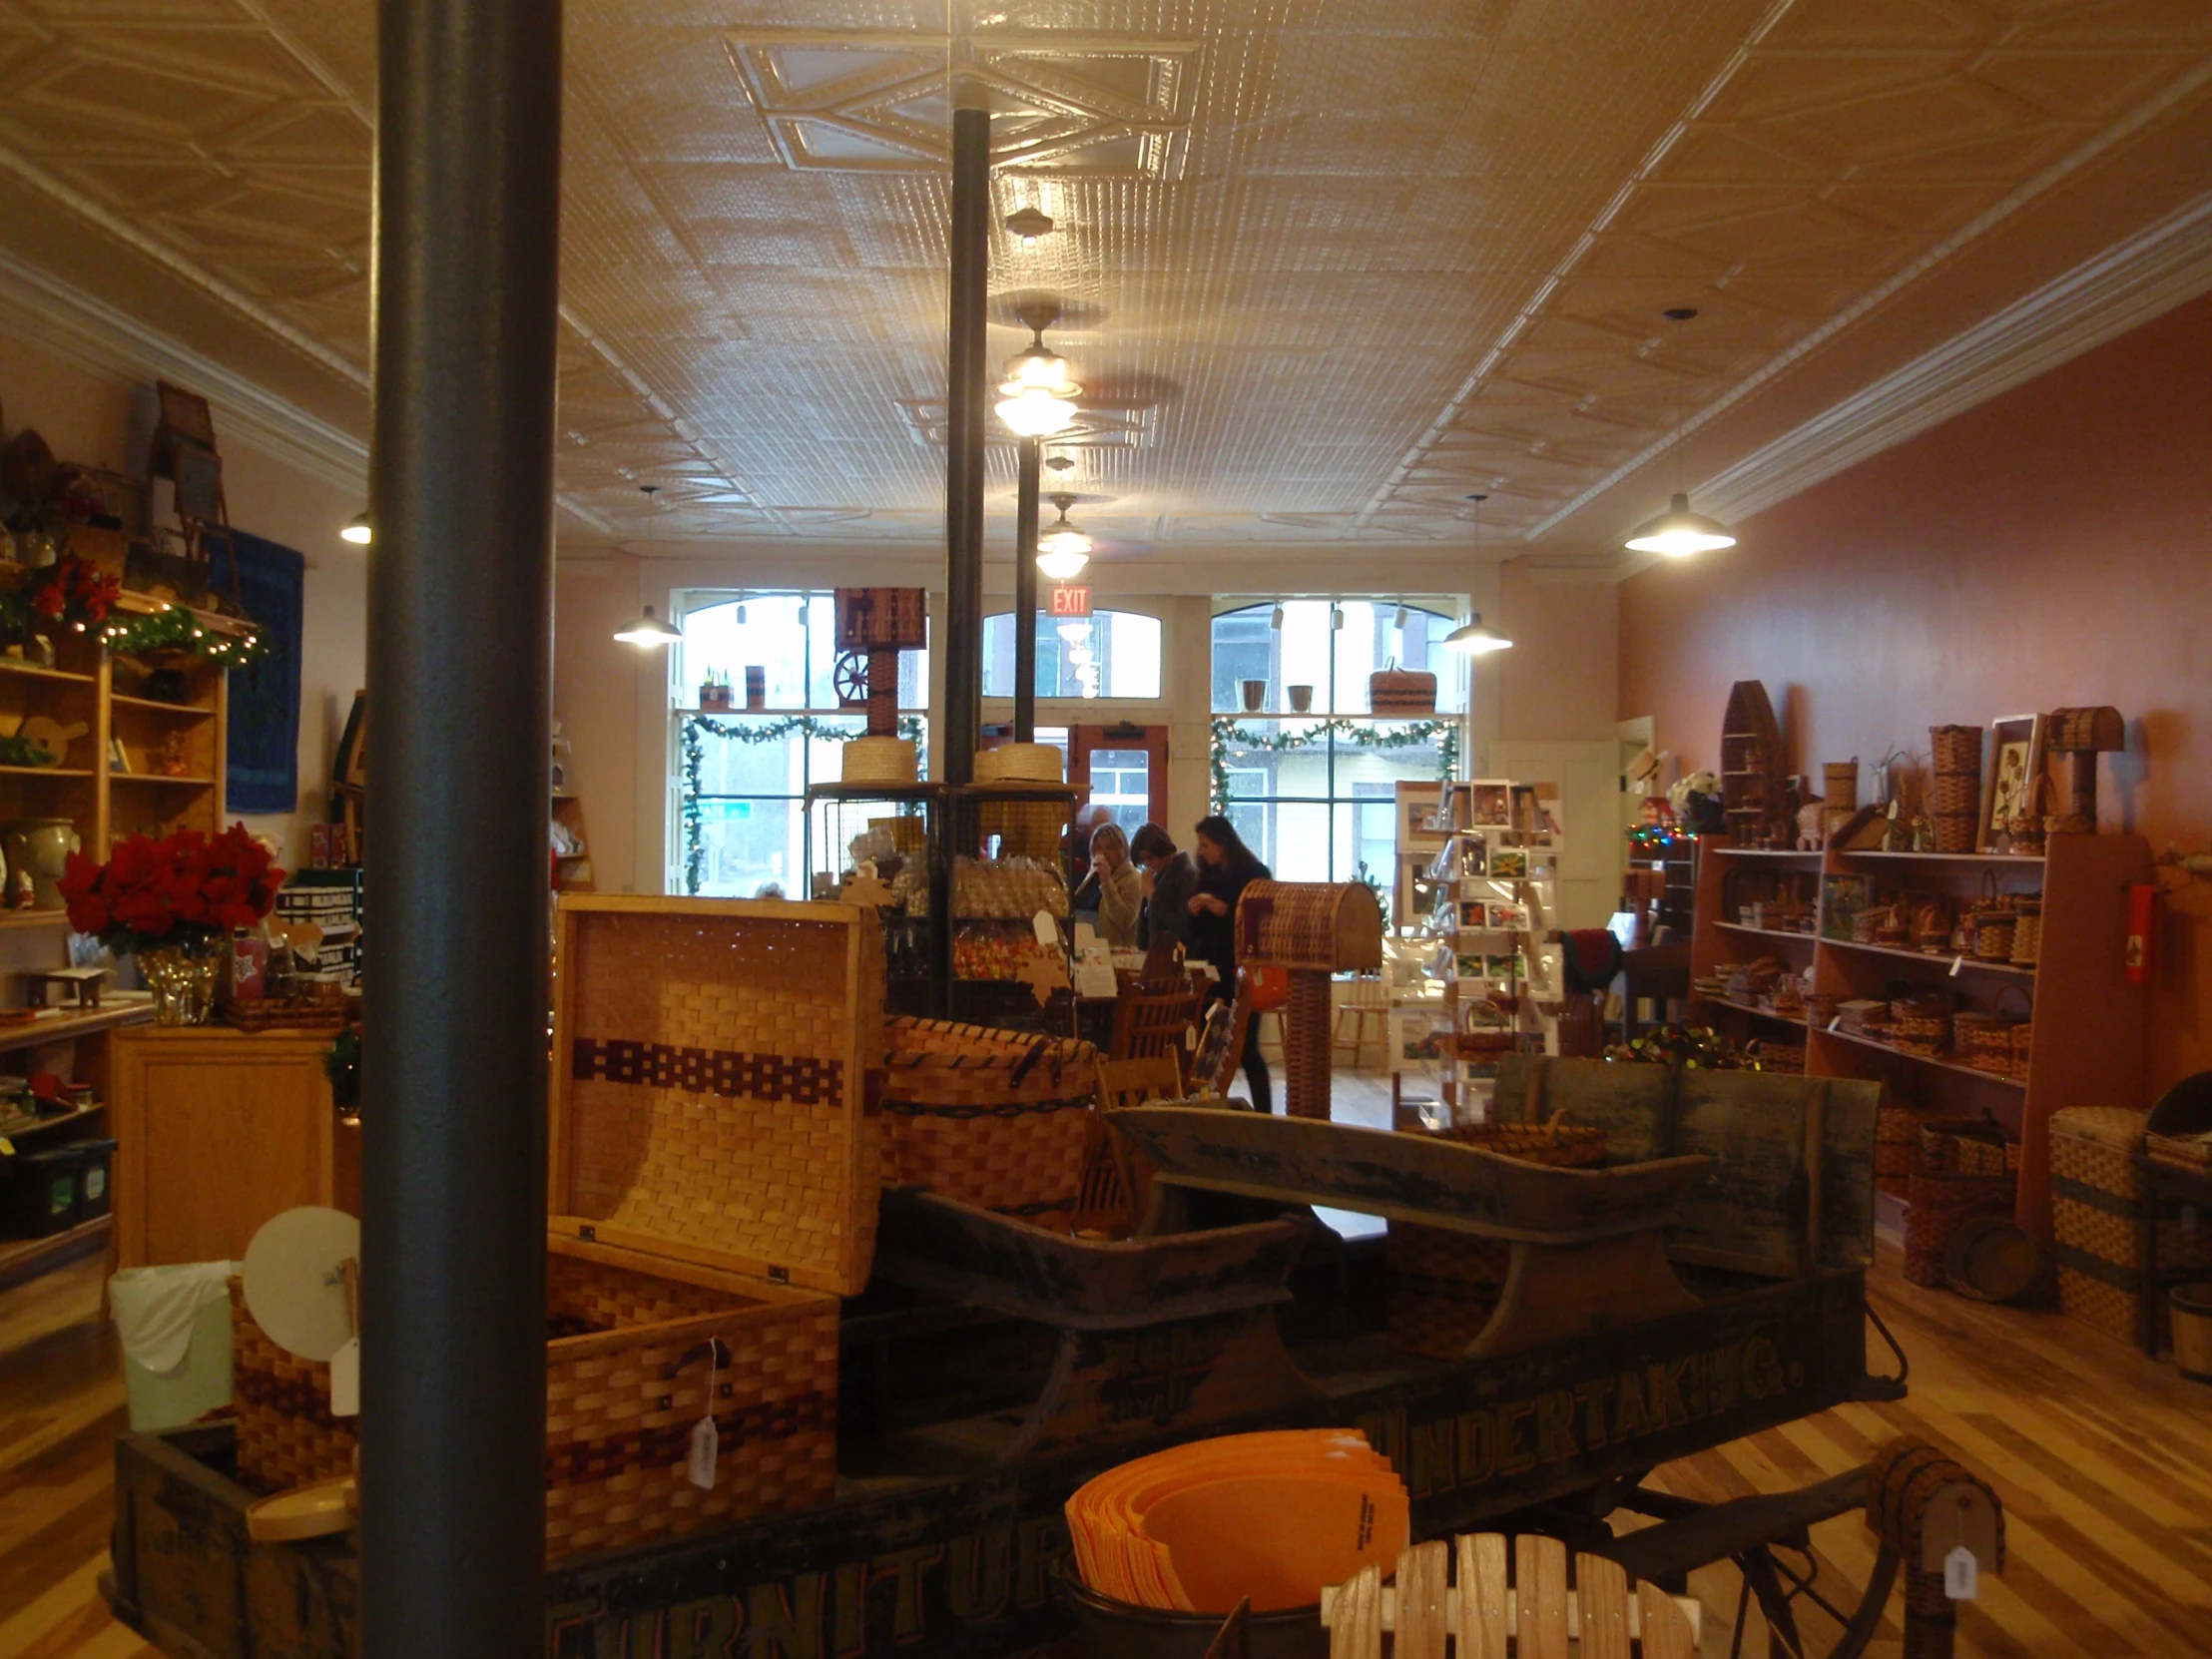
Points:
[(698, 728), (1361, 733)]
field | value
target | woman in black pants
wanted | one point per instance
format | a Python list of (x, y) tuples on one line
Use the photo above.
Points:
[(1226, 866)]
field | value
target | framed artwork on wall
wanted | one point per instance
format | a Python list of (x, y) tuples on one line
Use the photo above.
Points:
[(2015, 762)]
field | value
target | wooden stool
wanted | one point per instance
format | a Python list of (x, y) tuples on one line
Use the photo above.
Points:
[(80, 988), (1367, 1017)]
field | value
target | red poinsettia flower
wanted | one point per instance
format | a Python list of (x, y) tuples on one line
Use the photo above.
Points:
[(184, 887)]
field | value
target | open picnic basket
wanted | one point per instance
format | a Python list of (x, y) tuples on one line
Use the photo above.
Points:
[(713, 1181)]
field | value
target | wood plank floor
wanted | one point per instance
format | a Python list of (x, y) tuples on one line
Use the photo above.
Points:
[(2102, 1458)]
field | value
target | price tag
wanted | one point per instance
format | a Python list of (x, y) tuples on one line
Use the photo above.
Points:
[(1961, 1574), (1957, 963), (1835, 1024), (699, 1468), (345, 1379), (1048, 930)]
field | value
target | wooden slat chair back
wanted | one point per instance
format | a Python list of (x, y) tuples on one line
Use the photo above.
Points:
[(1154, 1019), (1115, 1183), (1215, 1064), (1475, 1613)]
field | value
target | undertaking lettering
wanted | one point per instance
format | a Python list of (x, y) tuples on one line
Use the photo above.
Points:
[(1558, 1425)]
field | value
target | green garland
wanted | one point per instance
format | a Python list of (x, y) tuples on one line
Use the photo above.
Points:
[(181, 629), (698, 728), (1361, 734)]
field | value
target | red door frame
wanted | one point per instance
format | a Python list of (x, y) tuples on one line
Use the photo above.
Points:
[(1153, 739)]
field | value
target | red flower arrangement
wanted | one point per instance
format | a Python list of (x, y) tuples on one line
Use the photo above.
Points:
[(184, 890), (74, 592)]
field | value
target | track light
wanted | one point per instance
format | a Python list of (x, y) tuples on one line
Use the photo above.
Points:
[(357, 530)]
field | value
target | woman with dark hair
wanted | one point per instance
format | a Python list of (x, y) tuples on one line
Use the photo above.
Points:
[(1169, 880), (1226, 866)]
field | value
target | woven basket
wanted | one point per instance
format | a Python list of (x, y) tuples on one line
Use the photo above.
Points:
[(1937, 1204), (2096, 1218), (626, 1370), (2068, 824), (1019, 763), (1920, 1024), (1994, 934), (1955, 790), (1967, 1146), (1895, 1146), (2027, 933), (1841, 779), (989, 1117), (1444, 1284), (2024, 830)]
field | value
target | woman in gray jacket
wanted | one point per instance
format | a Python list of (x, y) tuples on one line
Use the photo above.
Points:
[(1170, 879)]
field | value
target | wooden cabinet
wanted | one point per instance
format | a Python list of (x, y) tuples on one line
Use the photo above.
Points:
[(217, 1131)]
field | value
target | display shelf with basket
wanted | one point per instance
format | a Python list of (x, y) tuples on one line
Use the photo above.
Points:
[(1932, 974), (1752, 938)]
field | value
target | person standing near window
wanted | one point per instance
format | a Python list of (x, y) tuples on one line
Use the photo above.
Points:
[(1115, 887), (1226, 866), (1169, 880)]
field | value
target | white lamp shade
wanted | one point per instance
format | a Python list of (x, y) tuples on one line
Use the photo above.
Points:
[(1678, 532), (1063, 564), (1036, 365), (357, 530), (648, 632), (1036, 411), (1476, 640)]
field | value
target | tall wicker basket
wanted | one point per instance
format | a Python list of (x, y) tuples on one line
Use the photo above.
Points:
[(1955, 798)]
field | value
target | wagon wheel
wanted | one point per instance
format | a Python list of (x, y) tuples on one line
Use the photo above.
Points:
[(1779, 1586), (848, 676)]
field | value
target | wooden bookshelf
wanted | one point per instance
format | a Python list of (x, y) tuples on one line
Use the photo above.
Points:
[(2089, 1022)]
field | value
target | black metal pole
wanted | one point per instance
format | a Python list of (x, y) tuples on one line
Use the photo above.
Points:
[(966, 409), (460, 619), (1026, 591)]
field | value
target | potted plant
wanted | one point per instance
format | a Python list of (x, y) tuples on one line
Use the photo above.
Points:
[(174, 904)]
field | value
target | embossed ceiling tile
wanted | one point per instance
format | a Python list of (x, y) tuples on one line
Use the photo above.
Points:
[(2002, 160), (2068, 23), (892, 221), (1910, 119), (756, 216), (245, 57), (1926, 210), (111, 101), (140, 186), (152, 12), (317, 132), (1830, 25), (1775, 237), (2079, 87), (1726, 153), (665, 89)]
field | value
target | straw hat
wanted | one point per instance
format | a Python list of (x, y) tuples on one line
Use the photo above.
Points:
[(880, 761)]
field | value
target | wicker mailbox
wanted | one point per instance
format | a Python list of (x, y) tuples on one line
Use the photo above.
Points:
[(1312, 929), (714, 1159)]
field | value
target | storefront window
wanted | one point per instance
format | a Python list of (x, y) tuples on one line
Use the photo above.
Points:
[(1106, 654), (741, 775), (1313, 792)]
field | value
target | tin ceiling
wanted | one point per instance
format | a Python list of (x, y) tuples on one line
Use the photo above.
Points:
[(1329, 269)]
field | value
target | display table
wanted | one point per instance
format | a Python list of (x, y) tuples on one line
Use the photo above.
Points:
[(217, 1130)]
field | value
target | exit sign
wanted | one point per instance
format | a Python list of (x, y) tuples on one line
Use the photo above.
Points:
[(1071, 599)]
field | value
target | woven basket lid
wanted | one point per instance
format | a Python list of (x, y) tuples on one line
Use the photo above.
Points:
[(880, 761), (2113, 1126), (1018, 763)]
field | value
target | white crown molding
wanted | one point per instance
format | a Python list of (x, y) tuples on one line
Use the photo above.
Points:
[(102, 341), (2165, 265)]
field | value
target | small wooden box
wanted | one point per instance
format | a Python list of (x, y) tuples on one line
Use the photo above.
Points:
[(714, 1165)]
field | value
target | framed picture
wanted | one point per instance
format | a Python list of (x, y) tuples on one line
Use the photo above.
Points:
[(1509, 863), (1421, 816), (1512, 917), (1490, 803), (1474, 856), (1507, 968), (1473, 915), (1841, 897), (2015, 762)]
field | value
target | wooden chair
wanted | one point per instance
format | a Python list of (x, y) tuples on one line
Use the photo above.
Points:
[(1365, 1011), (1603, 1614), (1114, 1184), (1152, 1020), (1221, 1040)]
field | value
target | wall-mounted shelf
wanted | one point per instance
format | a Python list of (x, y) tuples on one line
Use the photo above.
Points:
[(1964, 964), (1934, 1060), (1766, 933), (15, 665)]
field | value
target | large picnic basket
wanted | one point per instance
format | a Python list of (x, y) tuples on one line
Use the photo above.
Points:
[(997, 1119), (2097, 1215), (713, 1169)]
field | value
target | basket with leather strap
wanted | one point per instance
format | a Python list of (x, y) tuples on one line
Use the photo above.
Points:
[(1935, 1204), (1444, 1284), (992, 1118), (1954, 794), (2096, 1214)]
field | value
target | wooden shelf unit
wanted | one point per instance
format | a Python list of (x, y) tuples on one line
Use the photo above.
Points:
[(90, 687), (2089, 1022)]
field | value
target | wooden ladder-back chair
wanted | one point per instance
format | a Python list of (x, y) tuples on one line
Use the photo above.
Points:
[(1221, 1040), (1114, 1183), (1152, 1020)]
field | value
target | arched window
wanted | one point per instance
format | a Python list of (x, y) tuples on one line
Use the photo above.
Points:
[(1106, 654)]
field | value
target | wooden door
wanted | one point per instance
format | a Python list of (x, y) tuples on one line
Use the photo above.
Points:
[(1122, 768)]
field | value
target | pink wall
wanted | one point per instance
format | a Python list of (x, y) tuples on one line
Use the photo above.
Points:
[(2051, 547), (1557, 682), (595, 698)]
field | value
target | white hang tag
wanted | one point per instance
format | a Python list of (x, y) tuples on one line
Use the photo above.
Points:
[(345, 1379), (1048, 931), (699, 1468), (1961, 1574), (1957, 965)]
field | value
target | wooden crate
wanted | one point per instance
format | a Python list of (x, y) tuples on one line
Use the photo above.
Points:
[(714, 1160)]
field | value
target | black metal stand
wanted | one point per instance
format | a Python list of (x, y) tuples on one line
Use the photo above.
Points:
[(460, 667), (965, 410), (1030, 461)]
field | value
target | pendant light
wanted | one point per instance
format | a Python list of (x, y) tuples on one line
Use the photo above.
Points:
[(648, 633), (1063, 550), (1678, 532), (1474, 638), (357, 530), (1037, 397)]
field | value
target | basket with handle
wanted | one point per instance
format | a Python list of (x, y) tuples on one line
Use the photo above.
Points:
[(998, 1119), (1985, 1040), (1954, 798), (1994, 921), (2025, 828), (1936, 1203), (1919, 1022), (1444, 1284), (2027, 932)]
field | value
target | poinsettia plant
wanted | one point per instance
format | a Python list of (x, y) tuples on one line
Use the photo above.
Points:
[(184, 890), (74, 591)]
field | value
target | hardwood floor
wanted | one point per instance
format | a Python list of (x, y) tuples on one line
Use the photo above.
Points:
[(2103, 1460)]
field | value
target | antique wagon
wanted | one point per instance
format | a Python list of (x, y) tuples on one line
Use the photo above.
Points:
[(992, 1368)]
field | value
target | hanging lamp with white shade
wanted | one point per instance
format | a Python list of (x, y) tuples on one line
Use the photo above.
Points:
[(1474, 638), (1063, 550), (358, 530), (1678, 532), (1037, 397), (648, 632)]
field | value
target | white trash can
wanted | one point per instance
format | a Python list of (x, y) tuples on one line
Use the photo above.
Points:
[(174, 1323)]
